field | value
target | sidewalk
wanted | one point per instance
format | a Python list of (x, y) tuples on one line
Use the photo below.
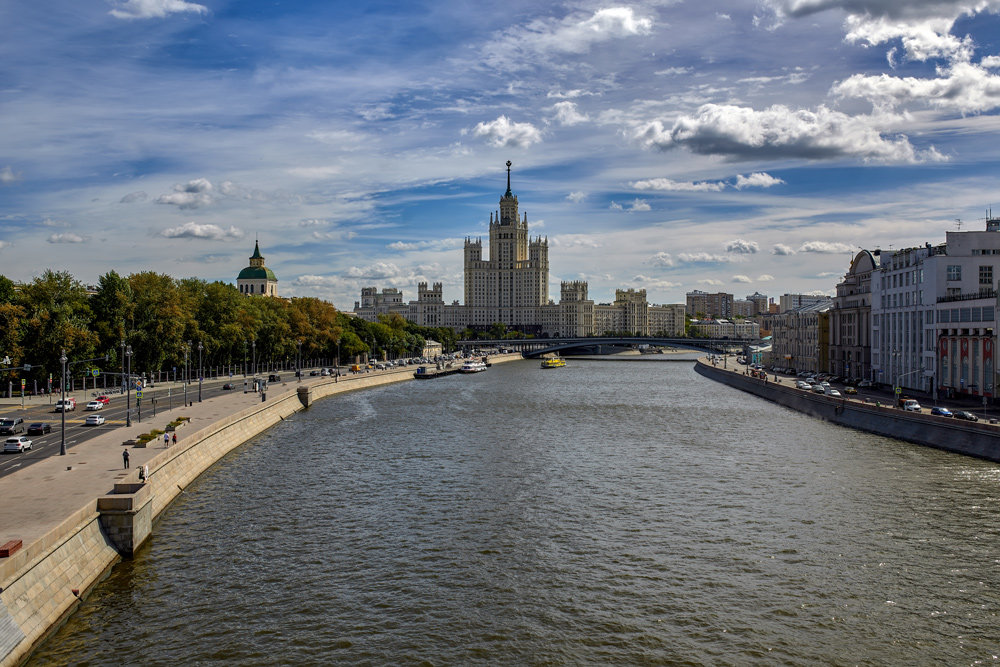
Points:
[(39, 497)]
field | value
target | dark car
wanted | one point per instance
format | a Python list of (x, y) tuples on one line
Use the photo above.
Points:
[(966, 415), (229, 385), (941, 412), (274, 378), (39, 428), (313, 373)]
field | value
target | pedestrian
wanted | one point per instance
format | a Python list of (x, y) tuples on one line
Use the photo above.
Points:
[(175, 437), (125, 457), (166, 439)]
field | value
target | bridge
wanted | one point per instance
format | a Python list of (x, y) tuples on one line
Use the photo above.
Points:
[(536, 347)]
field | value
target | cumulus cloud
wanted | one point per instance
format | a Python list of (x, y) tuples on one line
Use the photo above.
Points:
[(576, 197), (965, 88), (712, 282), (826, 247), (194, 230), (782, 249), (335, 235), (154, 9), (573, 241), (133, 197), (653, 283), (192, 194), (707, 258), (635, 205), (662, 259), (991, 62), (504, 133), (765, 278), (741, 247), (527, 44), (668, 185), (312, 280), (67, 237), (437, 244), (758, 179), (377, 271), (742, 133), (740, 278), (8, 175), (4, 244), (566, 114)]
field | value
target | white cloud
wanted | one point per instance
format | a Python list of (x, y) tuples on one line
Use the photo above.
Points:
[(192, 194), (133, 197), (826, 247), (4, 244), (335, 235), (672, 71), (567, 114), (782, 249), (662, 259), (636, 205), (503, 133), (570, 94), (312, 280), (149, 9), (740, 278), (67, 237), (377, 271), (741, 247), (668, 185), (965, 88), (437, 244), (758, 179), (742, 133), (573, 241), (707, 258), (529, 44), (712, 282), (654, 283), (991, 62), (8, 175), (193, 230), (576, 197), (765, 278)]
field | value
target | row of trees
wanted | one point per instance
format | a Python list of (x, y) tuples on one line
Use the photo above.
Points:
[(158, 316)]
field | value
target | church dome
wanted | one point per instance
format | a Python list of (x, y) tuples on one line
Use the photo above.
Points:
[(257, 273)]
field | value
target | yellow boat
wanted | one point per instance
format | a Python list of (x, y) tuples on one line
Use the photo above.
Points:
[(555, 362)]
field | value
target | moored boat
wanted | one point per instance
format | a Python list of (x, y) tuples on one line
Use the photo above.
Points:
[(473, 367)]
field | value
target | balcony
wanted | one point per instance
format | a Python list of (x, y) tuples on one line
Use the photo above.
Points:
[(986, 293)]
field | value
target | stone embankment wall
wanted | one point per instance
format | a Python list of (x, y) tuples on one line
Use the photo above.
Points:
[(42, 584), (970, 438)]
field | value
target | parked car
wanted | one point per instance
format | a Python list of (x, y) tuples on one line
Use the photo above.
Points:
[(966, 415), (94, 405), (850, 390), (911, 405), (228, 386), (39, 428), (834, 393), (94, 420), (941, 412), (11, 425), (274, 378), (16, 444), (802, 384), (818, 389), (313, 373), (864, 384)]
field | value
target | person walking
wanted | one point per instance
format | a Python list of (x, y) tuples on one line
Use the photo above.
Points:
[(125, 457), (166, 439), (175, 437)]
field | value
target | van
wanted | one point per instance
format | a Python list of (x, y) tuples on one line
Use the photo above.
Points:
[(911, 405), (355, 368), (11, 425), (66, 404)]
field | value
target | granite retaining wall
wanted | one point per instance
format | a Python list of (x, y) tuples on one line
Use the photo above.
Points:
[(970, 438)]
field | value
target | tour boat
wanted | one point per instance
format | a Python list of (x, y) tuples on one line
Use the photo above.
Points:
[(554, 362), (473, 367)]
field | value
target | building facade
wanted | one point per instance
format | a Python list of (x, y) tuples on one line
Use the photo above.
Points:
[(703, 304), (850, 319), (800, 338)]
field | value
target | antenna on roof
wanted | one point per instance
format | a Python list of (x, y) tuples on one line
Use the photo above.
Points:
[(958, 223)]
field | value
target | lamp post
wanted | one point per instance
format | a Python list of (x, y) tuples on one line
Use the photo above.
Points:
[(186, 377), (62, 392), (200, 372), (254, 357), (298, 362), (244, 358), (128, 388), (338, 357)]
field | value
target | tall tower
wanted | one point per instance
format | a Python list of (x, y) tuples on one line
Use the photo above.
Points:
[(257, 279)]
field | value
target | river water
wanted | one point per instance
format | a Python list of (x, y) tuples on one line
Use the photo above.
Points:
[(602, 513)]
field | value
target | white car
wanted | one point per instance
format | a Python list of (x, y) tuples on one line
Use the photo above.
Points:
[(833, 392), (911, 405), (94, 405), (17, 444), (95, 420), (802, 384)]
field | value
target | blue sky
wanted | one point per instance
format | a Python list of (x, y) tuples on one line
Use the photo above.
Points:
[(670, 145)]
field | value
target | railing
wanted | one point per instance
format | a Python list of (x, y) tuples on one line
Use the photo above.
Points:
[(981, 294)]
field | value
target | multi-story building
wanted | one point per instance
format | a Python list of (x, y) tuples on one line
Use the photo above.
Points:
[(850, 319), (793, 301), (743, 330), (759, 302), (511, 287), (703, 304), (800, 338)]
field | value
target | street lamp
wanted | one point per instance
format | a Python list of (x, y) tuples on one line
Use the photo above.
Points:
[(254, 357), (128, 388), (200, 348), (244, 358), (62, 392), (186, 372), (298, 362)]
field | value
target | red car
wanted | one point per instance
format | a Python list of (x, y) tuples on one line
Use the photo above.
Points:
[(103, 399)]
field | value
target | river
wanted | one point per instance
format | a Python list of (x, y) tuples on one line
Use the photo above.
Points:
[(602, 513)]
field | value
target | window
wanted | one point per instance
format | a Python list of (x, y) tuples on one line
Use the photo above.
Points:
[(986, 275), (954, 272)]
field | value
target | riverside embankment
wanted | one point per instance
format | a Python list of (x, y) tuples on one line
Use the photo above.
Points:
[(78, 515), (970, 438)]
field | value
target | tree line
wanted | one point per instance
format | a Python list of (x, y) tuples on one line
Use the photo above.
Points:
[(161, 317)]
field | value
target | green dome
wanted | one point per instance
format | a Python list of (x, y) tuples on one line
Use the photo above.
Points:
[(256, 273)]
